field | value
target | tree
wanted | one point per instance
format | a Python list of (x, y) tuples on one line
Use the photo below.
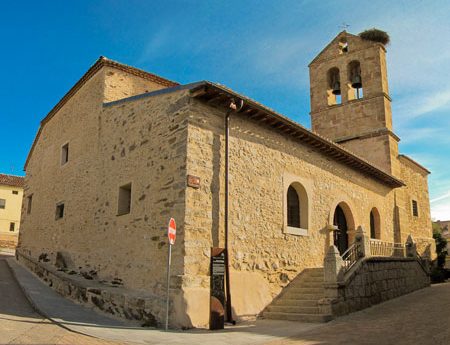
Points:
[(438, 273)]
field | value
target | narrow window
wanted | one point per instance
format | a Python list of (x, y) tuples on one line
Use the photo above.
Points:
[(29, 203), (124, 205), (375, 224), (59, 211), (12, 226), (293, 208), (15, 192), (415, 209), (2, 203), (65, 154)]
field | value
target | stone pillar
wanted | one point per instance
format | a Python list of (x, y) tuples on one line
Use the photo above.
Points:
[(330, 234), (332, 267), (411, 247), (333, 279), (363, 241)]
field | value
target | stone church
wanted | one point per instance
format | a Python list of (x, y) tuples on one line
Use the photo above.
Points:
[(259, 200)]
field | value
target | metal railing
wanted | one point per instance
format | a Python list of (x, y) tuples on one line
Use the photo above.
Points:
[(386, 249), (351, 256)]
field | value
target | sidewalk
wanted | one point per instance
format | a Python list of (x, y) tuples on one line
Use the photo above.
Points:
[(87, 321)]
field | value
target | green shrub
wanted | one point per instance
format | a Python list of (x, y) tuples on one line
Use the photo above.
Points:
[(438, 272)]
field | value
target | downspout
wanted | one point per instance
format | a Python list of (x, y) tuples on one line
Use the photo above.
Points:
[(235, 106)]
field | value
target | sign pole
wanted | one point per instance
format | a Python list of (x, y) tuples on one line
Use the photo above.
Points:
[(169, 259), (171, 234)]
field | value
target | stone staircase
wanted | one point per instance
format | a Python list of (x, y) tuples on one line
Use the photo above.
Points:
[(299, 300)]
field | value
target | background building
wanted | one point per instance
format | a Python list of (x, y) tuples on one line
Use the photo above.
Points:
[(11, 194)]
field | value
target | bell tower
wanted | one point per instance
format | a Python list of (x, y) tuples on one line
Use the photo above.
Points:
[(350, 101)]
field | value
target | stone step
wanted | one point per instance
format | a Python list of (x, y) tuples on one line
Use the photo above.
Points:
[(303, 296), (318, 279), (306, 284), (305, 290), (295, 302), (297, 317), (314, 272), (293, 309)]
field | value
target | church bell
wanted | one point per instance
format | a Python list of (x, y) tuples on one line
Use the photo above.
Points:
[(356, 81), (336, 88)]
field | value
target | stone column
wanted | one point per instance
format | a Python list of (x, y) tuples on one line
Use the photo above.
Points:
[(333, 279), (332, 267), (363, 241), (411, 247), (330, 233)]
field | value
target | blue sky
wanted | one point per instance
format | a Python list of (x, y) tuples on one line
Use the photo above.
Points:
[(259, 48)]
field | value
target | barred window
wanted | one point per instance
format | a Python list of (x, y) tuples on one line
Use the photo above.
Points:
[(415, 209)]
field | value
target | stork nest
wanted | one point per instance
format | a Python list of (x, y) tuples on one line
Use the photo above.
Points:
[(375, 35)]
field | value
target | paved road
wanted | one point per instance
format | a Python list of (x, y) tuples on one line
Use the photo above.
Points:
[(420, 318), (20, 324)]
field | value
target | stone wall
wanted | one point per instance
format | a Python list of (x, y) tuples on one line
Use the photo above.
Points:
[(139, 141), (416, 180), (372, 281), (262, 253), (129, 304)]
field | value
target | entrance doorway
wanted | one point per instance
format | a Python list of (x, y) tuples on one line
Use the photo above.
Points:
[(340, 235)]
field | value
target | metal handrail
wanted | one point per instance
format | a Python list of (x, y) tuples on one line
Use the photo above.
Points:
[(351, 256)]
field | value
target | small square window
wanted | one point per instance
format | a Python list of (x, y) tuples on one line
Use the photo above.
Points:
[(29, 203), (65, 154), (124, 204), (59, 211), (2, 203), (15, 192), (415, 209), (12, 226)]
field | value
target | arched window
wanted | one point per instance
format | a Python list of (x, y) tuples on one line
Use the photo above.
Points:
[(374, 223), (293, 208), (296, 210), (355, 80), (334, 86)]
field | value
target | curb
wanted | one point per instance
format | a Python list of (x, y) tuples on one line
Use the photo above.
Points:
[(35, 307)]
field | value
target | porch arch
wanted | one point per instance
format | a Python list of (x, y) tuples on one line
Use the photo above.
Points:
[(349, 211)]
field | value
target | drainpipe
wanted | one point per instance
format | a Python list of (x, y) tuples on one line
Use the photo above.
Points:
[(234, 106)]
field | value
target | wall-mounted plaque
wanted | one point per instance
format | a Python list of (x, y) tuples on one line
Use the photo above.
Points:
[(193, 181)]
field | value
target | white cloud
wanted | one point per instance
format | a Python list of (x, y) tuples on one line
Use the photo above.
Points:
[(441, 210), (412, 106), (155, 44), (442, 197)]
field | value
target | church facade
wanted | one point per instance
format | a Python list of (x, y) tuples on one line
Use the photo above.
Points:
[(126, 150)]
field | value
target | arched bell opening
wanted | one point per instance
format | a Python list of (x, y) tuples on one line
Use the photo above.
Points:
[(355, 82), (334, 86)]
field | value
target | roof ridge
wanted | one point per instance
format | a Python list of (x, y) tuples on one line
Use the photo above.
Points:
[(11, 175), (98, 64), (374, 170)]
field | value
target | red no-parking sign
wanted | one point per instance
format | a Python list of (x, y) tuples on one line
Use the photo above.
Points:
[(171, 234), (172, 231)]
